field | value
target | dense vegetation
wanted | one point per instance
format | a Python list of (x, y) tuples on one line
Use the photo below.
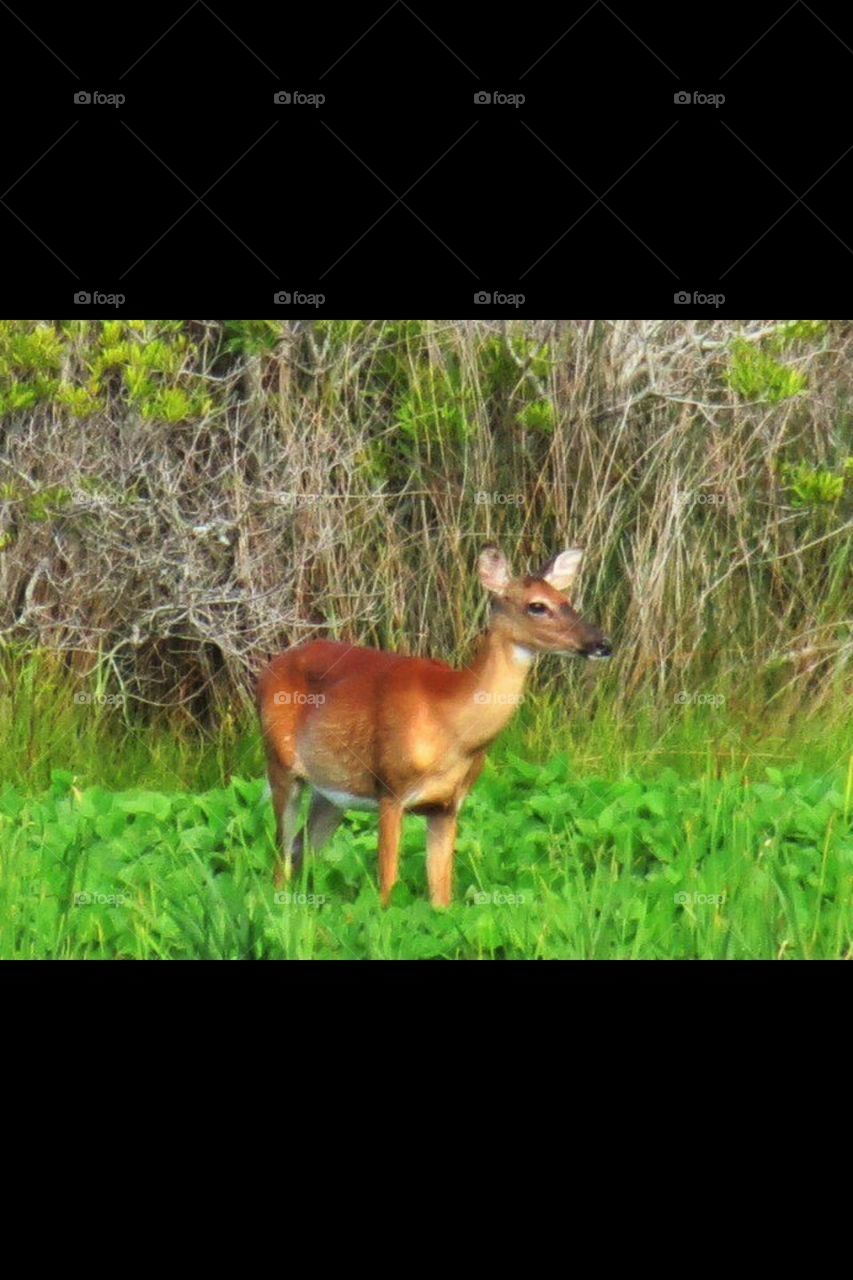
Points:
[(550, 865), (180, 499)]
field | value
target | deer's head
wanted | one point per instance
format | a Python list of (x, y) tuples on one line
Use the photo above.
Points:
[(535, 612)]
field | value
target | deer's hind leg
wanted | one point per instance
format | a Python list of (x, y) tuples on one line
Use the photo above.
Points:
[(286, 789), (390, 829), (324, 818)]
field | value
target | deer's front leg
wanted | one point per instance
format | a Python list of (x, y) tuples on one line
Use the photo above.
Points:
[(441, 842), (390, 827), (441, 839)]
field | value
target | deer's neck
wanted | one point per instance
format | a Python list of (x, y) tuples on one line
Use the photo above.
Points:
[(492, 688)]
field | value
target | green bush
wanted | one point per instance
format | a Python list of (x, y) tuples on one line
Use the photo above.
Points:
[(811, 487), (755, 375)]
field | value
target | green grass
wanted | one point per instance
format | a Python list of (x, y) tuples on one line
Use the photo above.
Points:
[(717, 862), (576, 842)]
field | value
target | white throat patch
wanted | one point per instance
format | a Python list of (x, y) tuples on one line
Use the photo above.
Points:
[(522, 655)]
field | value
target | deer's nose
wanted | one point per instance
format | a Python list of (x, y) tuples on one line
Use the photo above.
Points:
[(601, 650)]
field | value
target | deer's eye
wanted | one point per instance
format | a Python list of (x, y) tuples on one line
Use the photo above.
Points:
[(538, 608)]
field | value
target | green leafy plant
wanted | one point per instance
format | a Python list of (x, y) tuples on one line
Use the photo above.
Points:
[(811, 487), (251, 337), (438, 405), (755, 375), (81, 401), (30, 356), (171, 404), (48, 503), (551, 864), (538, 416), (810, 331)]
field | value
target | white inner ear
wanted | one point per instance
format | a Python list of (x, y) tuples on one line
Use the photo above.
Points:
[(564, 570), (494, 571)]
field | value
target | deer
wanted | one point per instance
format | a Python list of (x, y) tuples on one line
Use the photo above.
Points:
[(368, 729)]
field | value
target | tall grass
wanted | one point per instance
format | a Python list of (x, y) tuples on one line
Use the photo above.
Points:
[(48, 724), (178, 500)]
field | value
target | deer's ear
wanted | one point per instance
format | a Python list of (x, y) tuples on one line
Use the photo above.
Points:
[(494, 570), (562, 569)]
